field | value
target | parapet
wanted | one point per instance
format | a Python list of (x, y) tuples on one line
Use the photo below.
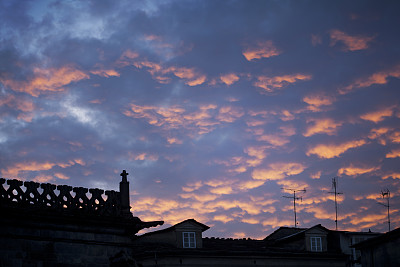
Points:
[(77, 204)]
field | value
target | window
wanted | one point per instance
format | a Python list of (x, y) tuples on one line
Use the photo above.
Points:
[(316, 243), (189, 240)]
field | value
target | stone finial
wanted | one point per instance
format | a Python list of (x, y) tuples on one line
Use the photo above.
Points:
[(124, 191), (124, 175)]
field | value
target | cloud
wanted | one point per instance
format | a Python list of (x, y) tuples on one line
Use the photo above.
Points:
[(352, 170), (229, 79), (278, 171), (379, 115), (316, 39), (46, 80), (143, 156), (201, 121), (351, 43), (222, 218), (20, 168), (328, 151), (376, 78), (159, 72), (250, 184), (270, 84), (275, 140), (394, 175), (61, 176), (395, 153), (316, 175), (327, 126), (229, 114), (261, 50), (316, 101), (105, 73)]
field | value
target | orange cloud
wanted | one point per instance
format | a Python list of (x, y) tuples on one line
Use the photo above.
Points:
[(229, 114), (351, 170), (202, 121), (261, 50), (13, 171), (376, 78), (351, 43), (250, 207), (275, 140), (46, 80), (222, 218), (275, 222), (326, 126), (395, 153), (269, 84), (33, 166), (192, 186), (377, 132), (19, 103), (315, 102), (229, 79), (247, 185), (332, 150), (394, 175), (173, 140), (251, 220), (316, 175), (105, 73), (368, 218), (61, 176), (256, 151), (202, 197), (278, 171), (395, 137), (379, 115), (142, 156), (191, 76)]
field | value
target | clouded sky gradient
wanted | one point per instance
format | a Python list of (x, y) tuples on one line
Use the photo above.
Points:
[(211, 106)]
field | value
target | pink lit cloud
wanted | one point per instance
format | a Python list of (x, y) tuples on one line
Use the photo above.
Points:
[(261, 50)]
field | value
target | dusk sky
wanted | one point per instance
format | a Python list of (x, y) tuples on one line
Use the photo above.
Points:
[(212, 107)]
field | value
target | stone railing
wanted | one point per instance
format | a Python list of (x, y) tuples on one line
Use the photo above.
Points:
[(62, 198)]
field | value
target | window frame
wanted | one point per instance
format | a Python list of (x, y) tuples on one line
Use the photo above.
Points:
[(316, 243), (189, 239)]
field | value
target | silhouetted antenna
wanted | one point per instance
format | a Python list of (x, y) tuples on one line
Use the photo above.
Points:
[(386, 194), (294, 200), (334, 186)]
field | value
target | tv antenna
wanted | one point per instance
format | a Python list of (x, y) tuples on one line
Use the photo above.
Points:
[(294, 200), (334, 186), (386, 194)]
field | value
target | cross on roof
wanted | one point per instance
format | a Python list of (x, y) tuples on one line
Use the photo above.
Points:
[(124, 175)]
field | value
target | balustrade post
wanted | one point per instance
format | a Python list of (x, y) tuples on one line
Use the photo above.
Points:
[(124, 193)]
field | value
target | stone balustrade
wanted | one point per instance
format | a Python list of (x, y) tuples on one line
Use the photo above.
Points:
[(61, 198)]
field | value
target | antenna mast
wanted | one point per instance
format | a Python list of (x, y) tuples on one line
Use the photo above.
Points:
[(294, 201), (334, 185), (386, 194)]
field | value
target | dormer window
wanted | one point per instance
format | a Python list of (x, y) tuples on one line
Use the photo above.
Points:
[(189, 239), (316, 243)]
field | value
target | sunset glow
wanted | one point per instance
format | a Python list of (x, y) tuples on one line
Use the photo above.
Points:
[(217, 109)]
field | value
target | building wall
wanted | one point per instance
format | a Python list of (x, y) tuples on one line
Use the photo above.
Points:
[(36, 244), (236, 261), (386, 254)]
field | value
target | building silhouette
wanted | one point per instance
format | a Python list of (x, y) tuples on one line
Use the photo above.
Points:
[(49, 225)]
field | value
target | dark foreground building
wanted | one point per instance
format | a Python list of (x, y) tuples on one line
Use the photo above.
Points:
[(47, 225), (383, 250)]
